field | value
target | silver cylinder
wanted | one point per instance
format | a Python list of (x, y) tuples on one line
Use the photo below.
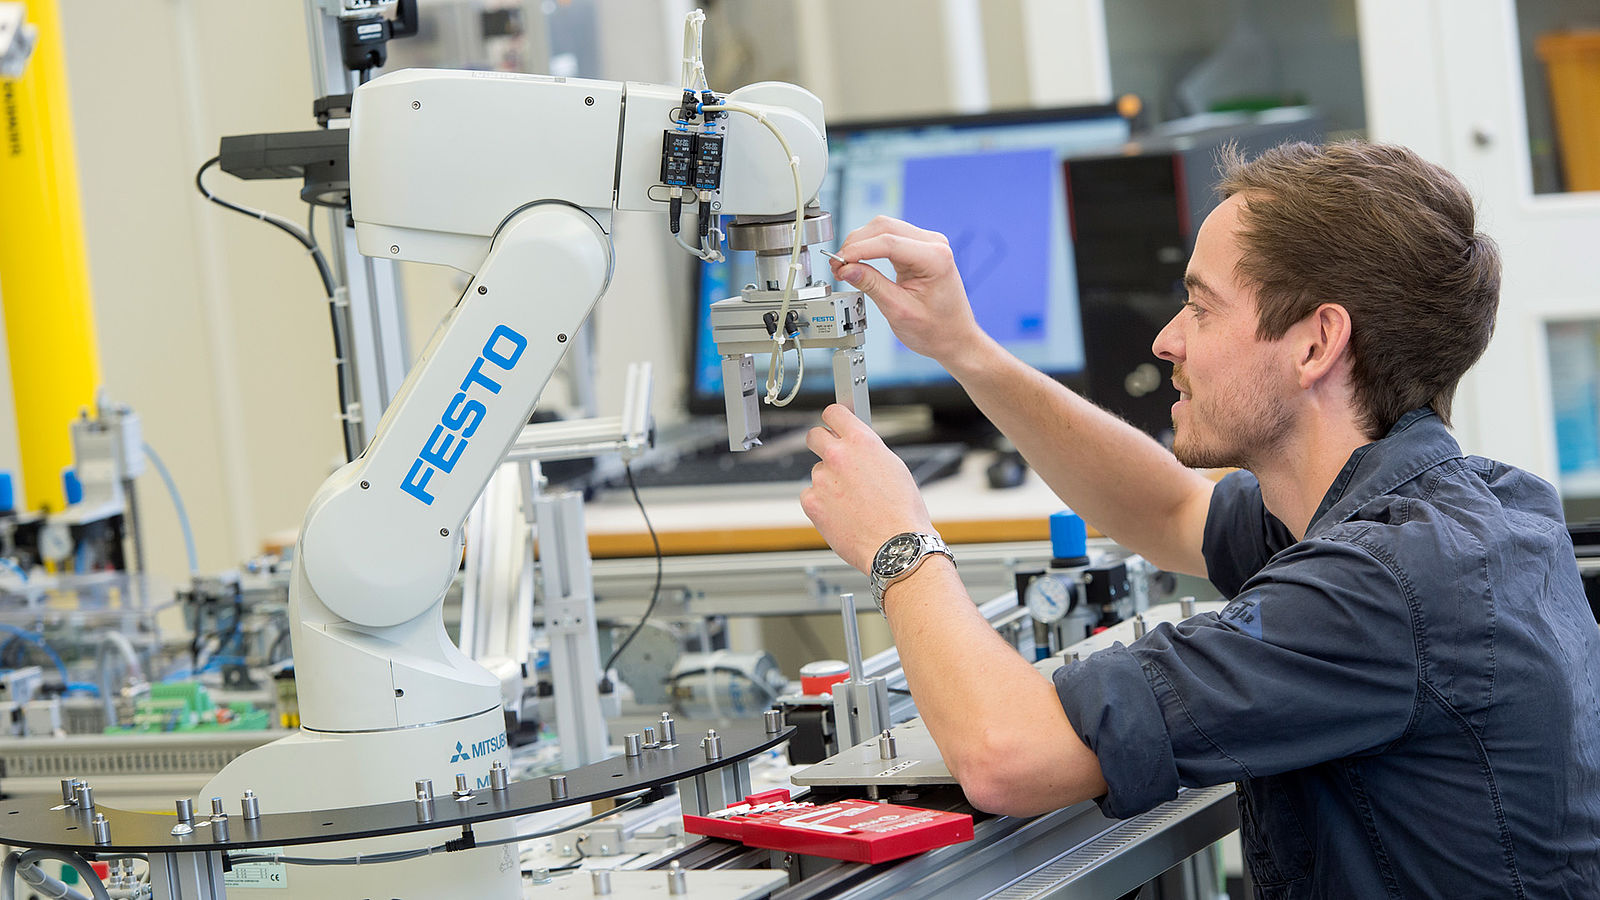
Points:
[(216, 807), (85, 796), (1138, 626), (69, 793), (600, 882), (185, 810), (886, 745), (852, 638), (1186, 606), (425, 788), (461, 792), (219, 826), (102, 829), (558, 787), (499, 778), (677, 879), (773, 719), (630, 744), (772, 238), (424, 807), (669, 731), (712, 743), (251, 804), (772, 271), (650, 741)]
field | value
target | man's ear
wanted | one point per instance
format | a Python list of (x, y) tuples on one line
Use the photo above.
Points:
[(1322, 343)]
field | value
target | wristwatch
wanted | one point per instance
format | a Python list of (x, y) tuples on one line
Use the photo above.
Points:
[(900, 556)]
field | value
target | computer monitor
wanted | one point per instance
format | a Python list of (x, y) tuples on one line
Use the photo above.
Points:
[(993, 184)]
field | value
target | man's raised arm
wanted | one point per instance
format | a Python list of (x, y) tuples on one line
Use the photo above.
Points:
[(1116, 477)]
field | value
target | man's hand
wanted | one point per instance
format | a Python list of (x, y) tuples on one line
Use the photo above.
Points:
[(861, 493), (925, 304)]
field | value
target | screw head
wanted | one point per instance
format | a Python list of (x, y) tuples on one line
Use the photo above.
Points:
[(394, 248), (416, 104), (588, 101), (561, 338), (444, 532), (365, 485), (482, 289)]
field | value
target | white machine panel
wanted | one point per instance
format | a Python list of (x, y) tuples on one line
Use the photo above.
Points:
[(477, 146)]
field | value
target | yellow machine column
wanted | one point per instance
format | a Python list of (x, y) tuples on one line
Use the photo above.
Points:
[(44, 273)]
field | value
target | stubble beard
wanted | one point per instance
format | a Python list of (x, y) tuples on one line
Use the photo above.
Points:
[(1253, 427)]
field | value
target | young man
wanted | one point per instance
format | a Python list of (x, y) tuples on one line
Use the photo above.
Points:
[(1406, 681)]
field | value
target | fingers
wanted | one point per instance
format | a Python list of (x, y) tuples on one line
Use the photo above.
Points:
[(817, 440), (839, 421), (886, 225), (910, 256)]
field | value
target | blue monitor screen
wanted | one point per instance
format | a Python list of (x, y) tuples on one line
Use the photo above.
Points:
[(994, 186)]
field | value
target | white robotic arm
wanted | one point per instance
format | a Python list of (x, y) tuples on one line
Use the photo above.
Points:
[(511, 178)]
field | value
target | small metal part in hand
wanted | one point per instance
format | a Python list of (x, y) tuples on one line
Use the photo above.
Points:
[(833, 256)]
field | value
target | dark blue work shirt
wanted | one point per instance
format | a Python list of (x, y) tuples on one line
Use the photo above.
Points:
[(1409, 697)]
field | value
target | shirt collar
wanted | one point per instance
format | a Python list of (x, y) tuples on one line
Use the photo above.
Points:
[(1416, 443)]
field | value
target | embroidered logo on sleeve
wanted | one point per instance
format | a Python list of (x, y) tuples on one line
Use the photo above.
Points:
[(1244, 613)]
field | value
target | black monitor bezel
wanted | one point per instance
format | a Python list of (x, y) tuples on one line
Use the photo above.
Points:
[(946, 399)]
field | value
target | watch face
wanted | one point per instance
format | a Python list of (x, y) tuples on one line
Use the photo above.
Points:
[(897, 555)]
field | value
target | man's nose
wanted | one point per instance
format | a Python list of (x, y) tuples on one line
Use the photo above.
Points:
[(1168, 345)]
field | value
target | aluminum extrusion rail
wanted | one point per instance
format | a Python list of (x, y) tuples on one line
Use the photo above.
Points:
[(1071, 854)]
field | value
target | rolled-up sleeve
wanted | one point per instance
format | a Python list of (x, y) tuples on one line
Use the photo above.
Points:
[(1313, 660)]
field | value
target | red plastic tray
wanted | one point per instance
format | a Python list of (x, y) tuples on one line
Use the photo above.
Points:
[(851, 830)]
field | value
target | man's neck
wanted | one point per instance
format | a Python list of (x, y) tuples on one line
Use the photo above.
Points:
[(1295, 477)]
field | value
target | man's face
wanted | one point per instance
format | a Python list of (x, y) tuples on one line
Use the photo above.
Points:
[(1235, 390)]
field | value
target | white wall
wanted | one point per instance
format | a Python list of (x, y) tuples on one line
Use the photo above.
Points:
[(210, 324)]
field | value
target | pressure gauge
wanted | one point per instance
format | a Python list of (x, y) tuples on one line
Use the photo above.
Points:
[(55, 542), (1050, 597)]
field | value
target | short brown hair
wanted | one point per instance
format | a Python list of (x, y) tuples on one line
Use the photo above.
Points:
[(1390, 237)]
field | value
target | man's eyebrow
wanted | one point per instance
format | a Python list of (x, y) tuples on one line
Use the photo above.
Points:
[(1194, 284)]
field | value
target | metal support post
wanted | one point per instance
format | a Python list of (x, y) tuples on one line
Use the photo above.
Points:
[(187, 876), (860, 705), (568, 594), (373, 314), (718, 789)]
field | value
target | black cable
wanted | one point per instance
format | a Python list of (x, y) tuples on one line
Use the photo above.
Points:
[(350, 450), (284, 225), (655, 592), (329, 285)]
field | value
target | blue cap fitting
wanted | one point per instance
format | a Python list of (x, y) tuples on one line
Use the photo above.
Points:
[(1069, 539), (8, 497), (71, 486)]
